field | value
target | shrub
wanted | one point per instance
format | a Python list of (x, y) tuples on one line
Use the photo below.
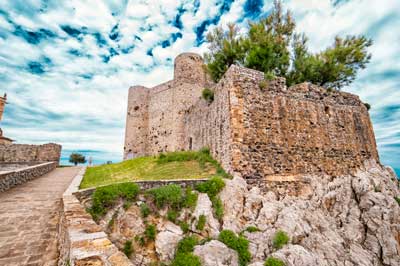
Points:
[(150, 232), (128, 249), (184, 226), (280, 239), (127, 205), (367, 105), (167, 195), (218, 208), (201, 222), (186, 259), (240, 244), (190, 199), (252, 229), (140, 239), (212, 187), (172, 215), (208, 95), (271, 261), (397, 199), (263, 84), (186, 245), (144, 210), (269, 75), (105, 197)]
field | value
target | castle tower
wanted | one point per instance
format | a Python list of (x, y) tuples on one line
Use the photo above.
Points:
[(136, 122), (3, 101), (189, 68), (155, 116)]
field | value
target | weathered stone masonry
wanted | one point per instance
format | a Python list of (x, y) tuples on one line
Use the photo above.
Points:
[(26, 153), (251, 130)]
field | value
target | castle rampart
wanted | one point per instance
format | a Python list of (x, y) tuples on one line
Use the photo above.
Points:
[(256, 130)]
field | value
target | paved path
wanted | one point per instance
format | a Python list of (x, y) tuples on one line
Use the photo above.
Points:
[(29, 219)]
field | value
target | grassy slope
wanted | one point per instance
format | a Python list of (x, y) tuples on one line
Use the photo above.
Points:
[(145, 168)]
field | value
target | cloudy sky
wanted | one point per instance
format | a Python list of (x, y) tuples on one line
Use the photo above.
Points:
[(67, 65)]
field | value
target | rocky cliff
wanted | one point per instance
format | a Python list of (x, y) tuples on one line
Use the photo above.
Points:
[(349, 220)]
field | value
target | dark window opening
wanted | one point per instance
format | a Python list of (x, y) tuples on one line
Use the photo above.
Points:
[(190, 143)]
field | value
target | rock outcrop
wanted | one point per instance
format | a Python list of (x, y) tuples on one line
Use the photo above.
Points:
[(347, 220), (350, 220)]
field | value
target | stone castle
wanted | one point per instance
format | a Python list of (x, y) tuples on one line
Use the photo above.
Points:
[(253, 127)]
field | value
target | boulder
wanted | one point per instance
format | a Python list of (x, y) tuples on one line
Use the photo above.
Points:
[(167, 239), (215, 253)]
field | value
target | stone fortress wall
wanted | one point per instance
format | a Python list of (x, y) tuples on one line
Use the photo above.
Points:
[(26, 153), (251, 130)]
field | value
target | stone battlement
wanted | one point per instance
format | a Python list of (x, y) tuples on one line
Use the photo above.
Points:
[(250, 129)]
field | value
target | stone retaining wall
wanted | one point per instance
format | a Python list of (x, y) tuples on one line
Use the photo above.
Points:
[(81, 240), (15, 177)]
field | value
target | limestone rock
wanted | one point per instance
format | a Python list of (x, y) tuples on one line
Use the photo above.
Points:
[(167, 239), (204, 207), (233, 197), (215, 253), (295, 255)]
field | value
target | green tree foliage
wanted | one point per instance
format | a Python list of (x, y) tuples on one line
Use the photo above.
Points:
[(76, 158), (273, 46)]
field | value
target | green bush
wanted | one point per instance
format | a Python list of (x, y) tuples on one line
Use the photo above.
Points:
[(208, 95), (190, 199), (128, 248), (252, 229), (144, 210), (150, 232), (127, 205), (368, 106), (186, 245), (240, 244), (106, 197), (201, 222), (271, 261), (170, 195), (184, 226), (212, 187), (186, 259), (280, 239), (218, 208), (172, 215)]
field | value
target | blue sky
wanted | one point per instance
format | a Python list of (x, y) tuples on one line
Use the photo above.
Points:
[(67, 65)]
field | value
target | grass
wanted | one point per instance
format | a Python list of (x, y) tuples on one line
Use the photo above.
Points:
[(173, 165)]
